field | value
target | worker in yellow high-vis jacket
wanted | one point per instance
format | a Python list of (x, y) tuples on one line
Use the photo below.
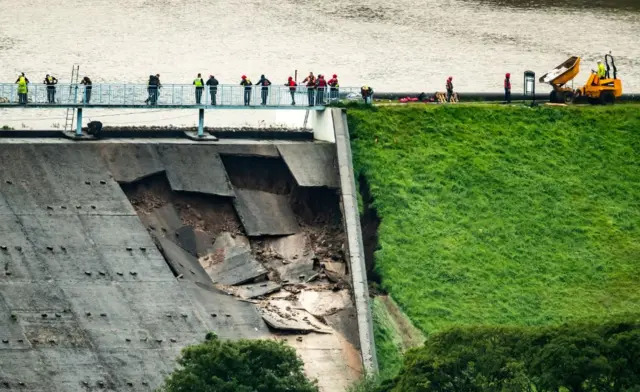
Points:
[(199, 83), (22, 83)]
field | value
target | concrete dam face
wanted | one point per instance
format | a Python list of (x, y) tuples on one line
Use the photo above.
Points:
[(114, 255)]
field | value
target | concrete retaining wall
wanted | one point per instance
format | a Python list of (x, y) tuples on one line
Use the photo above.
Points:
[(322, 125), (355, 249)]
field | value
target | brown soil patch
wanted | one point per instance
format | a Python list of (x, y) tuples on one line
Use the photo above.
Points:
[(211, 214), (411, 336)]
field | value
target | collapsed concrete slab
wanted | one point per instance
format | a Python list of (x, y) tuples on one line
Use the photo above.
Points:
[(183, 263), (236, 270), (291, 247), (163, 220), (255, 290), (297, 271), (228, 245), (313, 164), (230, 261), (264, 213), (194, 168)]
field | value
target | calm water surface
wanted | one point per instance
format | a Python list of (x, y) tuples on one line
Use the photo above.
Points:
[(393, 45)]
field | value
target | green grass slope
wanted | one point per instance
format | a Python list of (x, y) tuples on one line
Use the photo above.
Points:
[(504, 215)]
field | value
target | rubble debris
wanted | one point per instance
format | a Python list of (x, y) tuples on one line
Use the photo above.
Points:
[(280, 314), (231, 262), (289, 247), (324, 303), (254, 290)]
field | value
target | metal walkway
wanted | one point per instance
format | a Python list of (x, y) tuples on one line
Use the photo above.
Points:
[(78, 97), (171, 96)]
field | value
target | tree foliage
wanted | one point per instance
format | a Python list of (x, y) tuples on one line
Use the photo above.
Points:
[(238, 366), (570, 358)]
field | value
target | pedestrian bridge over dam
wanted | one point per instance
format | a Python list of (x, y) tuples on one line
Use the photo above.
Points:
[(173, 96), (78, 99), (117, 253)]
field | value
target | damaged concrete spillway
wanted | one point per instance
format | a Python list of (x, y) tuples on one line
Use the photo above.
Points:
[(115, 255)]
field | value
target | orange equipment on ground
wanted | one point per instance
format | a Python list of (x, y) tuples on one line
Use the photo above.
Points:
[(596, 90)]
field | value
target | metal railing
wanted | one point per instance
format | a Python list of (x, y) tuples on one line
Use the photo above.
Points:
[(174, 95)]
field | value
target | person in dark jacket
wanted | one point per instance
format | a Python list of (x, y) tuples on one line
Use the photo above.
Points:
[(154, 89), (51, 82), (87, 89), (199, 83), (507, 88), (149, 89), (264, 91), (213, 88), (293, 86), (311, 86), (322, 87), (246, 82)]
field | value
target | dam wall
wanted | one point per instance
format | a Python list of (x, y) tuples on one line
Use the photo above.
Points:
[(115, 254)]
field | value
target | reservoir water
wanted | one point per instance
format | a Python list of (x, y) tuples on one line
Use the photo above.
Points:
[(392, 45)]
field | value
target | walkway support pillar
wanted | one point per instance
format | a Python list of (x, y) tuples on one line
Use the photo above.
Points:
[(79, 123), (200, 122)]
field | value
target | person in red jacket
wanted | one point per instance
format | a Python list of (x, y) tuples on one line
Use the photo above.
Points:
[(507, 88), (322, 86), (311, 87), (449, 88), (333, 87), (292, 89)]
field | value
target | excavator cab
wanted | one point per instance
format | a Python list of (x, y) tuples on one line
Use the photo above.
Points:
[(596, 90)]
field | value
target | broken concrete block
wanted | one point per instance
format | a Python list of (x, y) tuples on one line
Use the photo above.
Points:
[(324, 303), (280, 314)]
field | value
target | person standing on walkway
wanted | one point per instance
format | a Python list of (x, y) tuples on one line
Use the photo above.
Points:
[(246, 82), (293, 86), (449, 88), (507, 88), (23, 89), (51, 82), (87, 89), (322, 87), (149, 89), (154, 89), (311, 86), (199, 83), (212, 82), (333, 87), (264, 91), (156, 94)]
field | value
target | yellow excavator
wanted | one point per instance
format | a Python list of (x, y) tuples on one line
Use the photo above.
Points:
[(597, 90)]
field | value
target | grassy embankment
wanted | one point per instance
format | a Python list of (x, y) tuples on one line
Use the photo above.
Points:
[(502, 215)]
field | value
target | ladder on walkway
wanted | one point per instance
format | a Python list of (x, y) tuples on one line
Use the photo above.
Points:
[(73, 88)]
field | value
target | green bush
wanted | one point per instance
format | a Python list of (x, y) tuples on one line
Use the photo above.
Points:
[(573, 358), (238, 366)]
